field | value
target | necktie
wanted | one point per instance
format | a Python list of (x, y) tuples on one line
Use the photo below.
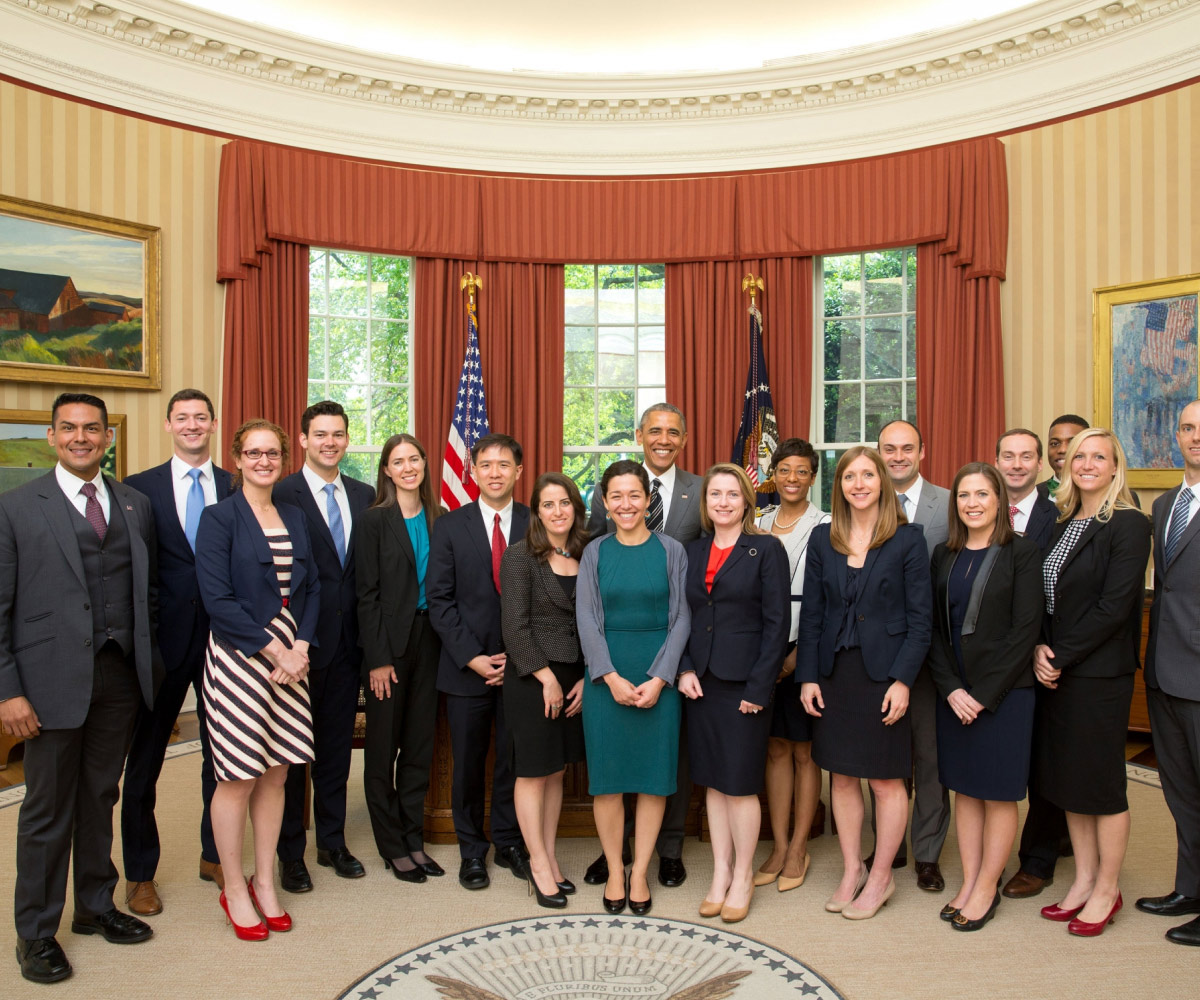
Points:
[(1012, 515), (654, 513), (93, 511), (498, 547), (902, 499), (335, 522), (1179, 521), (195, 507)]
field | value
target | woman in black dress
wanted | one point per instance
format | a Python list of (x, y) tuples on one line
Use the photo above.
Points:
[(1094, 580), (987, 613), (543, 682)]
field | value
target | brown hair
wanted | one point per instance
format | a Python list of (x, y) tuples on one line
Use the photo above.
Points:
[(1117, 497), (259, 424), (890, 517), (385, 489), (1002, 532), (536, 540), (729, 469)]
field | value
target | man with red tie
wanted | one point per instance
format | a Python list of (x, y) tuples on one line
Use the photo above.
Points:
[(462, 585), (1019, 461)]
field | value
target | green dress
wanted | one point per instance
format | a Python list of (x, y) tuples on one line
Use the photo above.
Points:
[(632, 749)]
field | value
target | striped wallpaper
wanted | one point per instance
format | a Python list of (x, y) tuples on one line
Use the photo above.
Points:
[(74, 156)]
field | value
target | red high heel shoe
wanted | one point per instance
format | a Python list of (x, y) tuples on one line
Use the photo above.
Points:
[(1081, 928), (1056, 912), (255, 932), (280, 924)]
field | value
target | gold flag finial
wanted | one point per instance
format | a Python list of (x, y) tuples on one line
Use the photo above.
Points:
[(471, 282), (752, 285)]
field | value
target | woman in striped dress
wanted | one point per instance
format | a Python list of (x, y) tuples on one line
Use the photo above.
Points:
[(255, 571)]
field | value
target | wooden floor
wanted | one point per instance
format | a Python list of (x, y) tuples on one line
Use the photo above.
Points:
[(1137, 749)]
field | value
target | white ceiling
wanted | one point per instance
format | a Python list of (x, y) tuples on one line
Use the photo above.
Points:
[(552, 36)]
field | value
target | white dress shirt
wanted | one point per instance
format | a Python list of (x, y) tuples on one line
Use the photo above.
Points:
[(72, 485), (1192, 507), (489, 520), (181, 482), (666, 490), (912, 498), (1024, 509), (317, 485)]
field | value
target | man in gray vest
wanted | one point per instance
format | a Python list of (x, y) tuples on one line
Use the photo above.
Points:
[(78, 604)]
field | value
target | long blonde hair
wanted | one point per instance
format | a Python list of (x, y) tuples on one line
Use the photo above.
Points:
[(890, 517), (1116, 497), (729, 469)]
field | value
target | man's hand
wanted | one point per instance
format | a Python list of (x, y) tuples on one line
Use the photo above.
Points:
[(490, 668), (18, 718)]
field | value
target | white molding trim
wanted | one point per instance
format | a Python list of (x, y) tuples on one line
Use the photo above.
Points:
[(1046, 60)]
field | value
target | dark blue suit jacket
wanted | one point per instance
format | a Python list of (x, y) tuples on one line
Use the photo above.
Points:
[(236, 573), (1042, 518), (183, 622), (895, 607), (464, 605), (740, 630), (337, 627)]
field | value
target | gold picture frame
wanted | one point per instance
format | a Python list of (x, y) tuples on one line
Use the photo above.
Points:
[(80, 298), (1146, 370), (25, 454)]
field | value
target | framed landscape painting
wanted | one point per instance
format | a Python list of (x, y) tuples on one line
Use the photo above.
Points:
[(1146, 371), (25, 454), (79, 298)]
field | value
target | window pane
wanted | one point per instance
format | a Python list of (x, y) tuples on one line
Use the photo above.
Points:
[(316, 347), (616, 305), (579, 420), (829, 461), (652, 356), (843, 350), (883, 347), (616, 417), (910, 347), (842, 414), (582, 469), (616, 356), (883, 406), (354, 399), (616, 275), (389, 352), (389, 287), (579, 359), (842, 285), (580, 304), (389, 413), (910, 263), (348, 350), (910, 396), (884, 280), (347, 283), (362, 465), (316, 281), (652, 275), (652, 303)]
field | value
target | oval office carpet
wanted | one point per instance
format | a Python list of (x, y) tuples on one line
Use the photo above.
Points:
[(377, 939)]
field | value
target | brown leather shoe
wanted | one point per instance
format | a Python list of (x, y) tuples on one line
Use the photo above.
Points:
[(212, 872), (1023, 885), (142, 899)]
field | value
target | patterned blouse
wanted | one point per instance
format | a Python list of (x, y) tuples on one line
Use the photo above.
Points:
[(1058, 555)]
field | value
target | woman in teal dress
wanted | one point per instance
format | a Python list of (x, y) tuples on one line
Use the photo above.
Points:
[(633, 625)]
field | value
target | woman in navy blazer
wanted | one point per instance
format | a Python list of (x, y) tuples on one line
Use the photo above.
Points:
[(259, 585), (738, 590), (864, 632)]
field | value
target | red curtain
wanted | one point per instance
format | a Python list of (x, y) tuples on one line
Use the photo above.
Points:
[(708, 348), (520, 310)]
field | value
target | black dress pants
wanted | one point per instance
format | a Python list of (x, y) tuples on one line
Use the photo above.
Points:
[(471, 718)]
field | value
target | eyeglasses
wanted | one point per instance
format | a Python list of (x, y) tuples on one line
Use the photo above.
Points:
[(254, 454)]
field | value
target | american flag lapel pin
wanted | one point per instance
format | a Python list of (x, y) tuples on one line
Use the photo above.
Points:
[(129, 507)]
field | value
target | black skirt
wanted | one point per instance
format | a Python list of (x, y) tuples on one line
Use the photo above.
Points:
[(727, 749), (789, 721), (989, 759), (1080, 729), (850, 737), (540, 746)]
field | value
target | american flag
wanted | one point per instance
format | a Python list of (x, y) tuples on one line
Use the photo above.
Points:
[(1169, 332), (758, 433), (468, 424)]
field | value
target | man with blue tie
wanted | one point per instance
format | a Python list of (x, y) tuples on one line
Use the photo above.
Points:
[(331, 503), (178, 491)]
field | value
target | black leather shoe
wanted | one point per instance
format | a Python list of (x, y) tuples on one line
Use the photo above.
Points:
[(472, 874), (1173, 904), (512, 858), (640, 907), (117, 927), (294, 877), (343, 863), (616, 905), (929, 876), (961, 923), (42, 960), (1188, 933), (597, 871), (430, 867), (566, 887), (899, 861), (671, 873), (416, 874)]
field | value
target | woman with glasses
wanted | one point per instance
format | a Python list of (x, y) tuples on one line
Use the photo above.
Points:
[(259, 584)]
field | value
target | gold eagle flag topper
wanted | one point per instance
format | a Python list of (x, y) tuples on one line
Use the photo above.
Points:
[(470, 282)]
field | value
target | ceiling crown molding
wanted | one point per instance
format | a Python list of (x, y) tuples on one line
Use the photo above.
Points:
[(1042, 61)]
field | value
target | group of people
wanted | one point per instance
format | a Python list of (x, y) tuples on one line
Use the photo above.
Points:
[(980, 640)]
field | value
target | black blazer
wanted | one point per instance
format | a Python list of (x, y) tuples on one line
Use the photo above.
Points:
[(536, 616), (464, 606), (179, 604), (740, 630), (1042, 518), (236, 573), (337, 626), (895, 607), (1097, 620), (388, 586), (1004, 620)]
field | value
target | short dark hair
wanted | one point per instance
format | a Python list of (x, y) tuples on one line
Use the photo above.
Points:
[(325, 408), (1071, 418), (537, 542), (1002, 532), (1013, 432), (86, 398), (796, 448), (497, 440), (920, 438), (663, 408), (184, 395), (624, 467)]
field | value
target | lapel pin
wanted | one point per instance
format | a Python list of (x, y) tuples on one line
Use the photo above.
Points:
[(682, 496), (754, 552), (128, 507)]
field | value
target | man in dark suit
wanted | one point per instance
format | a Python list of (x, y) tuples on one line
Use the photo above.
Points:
[(1173, 676), (331, 503), (1058, 439), (1019, 462), (178, 491), (903, 449), (78, 608), (462, 586), (674, 510)]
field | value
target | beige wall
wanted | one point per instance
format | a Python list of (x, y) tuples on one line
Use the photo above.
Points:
[(74, 156)]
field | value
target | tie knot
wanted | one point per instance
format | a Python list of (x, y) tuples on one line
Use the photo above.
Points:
[(656, 483), (195, 474), (88, 490), (1184, 494), (329, 488), (496, 519), (902, 497)]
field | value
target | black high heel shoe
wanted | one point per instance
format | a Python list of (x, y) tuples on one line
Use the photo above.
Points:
[(961, 923), (638, 907), (416, 874), (616, 905), (554, 902), (566, 887)]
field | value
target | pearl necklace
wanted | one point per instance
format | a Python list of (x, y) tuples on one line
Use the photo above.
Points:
[(796, 520)]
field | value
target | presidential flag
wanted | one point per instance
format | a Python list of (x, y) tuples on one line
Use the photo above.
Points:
[(468, 423), (758, 433)]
